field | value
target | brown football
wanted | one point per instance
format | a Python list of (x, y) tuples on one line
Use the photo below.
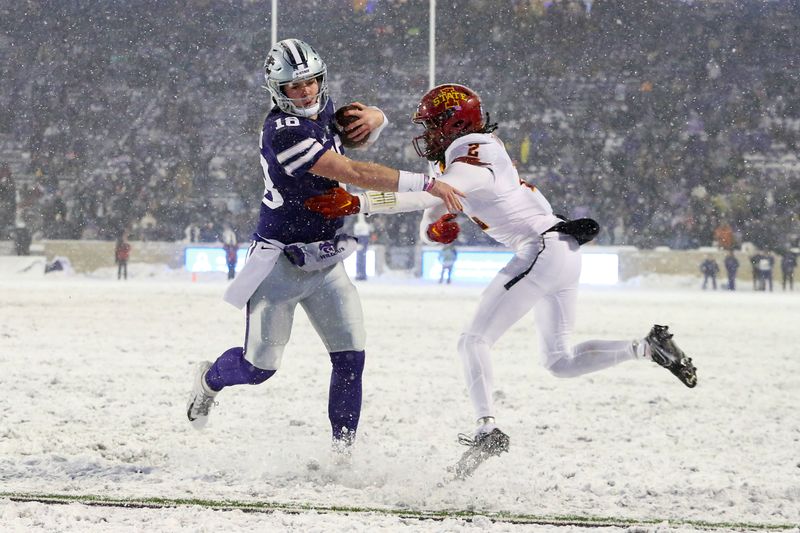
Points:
[(341, 121)]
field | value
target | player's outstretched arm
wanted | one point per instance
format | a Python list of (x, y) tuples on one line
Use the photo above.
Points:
[(339, 203), (375, 177)]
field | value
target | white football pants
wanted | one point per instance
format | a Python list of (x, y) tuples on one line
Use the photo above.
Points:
[(550, 288)]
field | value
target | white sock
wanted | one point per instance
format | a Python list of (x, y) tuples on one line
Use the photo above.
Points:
[(641, 349), (486, 424), (208, 391)]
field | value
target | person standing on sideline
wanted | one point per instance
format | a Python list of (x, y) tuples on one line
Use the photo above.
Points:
[(731, 266), (22, 239), (447, 257), (755, 259), (296, 255), (122, 252), (543, 274), (766, 262), (231, 257), (362, 231), (788, 264), (709, 268)]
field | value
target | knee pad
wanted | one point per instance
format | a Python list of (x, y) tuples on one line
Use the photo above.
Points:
[(562, 368), (468, 340)]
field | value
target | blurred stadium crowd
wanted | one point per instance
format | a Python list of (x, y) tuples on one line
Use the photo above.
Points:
[(673, 123)]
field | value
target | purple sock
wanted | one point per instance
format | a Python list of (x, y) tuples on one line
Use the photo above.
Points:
[(231, 368), (344, 397)]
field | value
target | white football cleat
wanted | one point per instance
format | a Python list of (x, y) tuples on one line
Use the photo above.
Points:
[(202, 399)]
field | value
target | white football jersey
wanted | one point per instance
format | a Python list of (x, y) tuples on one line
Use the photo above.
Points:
[(510, 211)]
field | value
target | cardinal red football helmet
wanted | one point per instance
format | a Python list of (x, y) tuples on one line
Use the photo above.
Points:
[(447, 112)]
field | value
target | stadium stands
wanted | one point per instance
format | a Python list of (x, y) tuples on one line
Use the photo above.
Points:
[(662, 120)]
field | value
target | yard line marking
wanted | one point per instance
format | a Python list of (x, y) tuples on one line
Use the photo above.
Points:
[(268, 507)]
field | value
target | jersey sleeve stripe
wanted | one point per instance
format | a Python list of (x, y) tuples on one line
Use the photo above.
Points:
[(297, 163), (470, 160), (300, 147)]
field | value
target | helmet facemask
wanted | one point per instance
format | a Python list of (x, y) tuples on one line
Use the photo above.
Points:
[(433, 142), (288, 105)]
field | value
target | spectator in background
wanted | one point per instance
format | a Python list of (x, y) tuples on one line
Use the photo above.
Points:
[(8, 200), (447, 257), (191, 233), (208, 233), (788, 264), (764, 266), (231, 257), (723, 234), (754, 261), (731, 266), (525, 150), (362, 231), (709, 268), (22, 239), (122, 252)]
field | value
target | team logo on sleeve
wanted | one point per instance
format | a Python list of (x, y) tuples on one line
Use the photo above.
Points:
[(327, 248)]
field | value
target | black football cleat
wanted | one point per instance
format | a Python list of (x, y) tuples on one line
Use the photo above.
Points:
[(481, 447), (666, 353)]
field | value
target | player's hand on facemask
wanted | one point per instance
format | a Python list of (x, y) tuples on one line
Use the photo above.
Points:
[(335, 203), (448, 193), (444, 230)]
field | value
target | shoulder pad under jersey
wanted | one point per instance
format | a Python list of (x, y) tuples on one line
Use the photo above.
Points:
[(479, 149)]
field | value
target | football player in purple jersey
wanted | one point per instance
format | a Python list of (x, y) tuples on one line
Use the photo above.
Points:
[(296, 254)]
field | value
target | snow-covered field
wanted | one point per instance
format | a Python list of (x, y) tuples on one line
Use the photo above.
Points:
[(95, 375)]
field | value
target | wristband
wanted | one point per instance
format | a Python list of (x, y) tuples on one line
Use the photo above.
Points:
[(363, 202), (411, 182), (429, 182)]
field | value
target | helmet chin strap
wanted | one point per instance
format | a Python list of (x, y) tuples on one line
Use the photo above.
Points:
[(307, 111)]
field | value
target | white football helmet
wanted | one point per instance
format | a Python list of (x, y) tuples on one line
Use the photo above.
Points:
[(292, 60)]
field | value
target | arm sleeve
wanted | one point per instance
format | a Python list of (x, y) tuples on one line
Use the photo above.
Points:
[(464, 177), (295, 151), (373, 202)]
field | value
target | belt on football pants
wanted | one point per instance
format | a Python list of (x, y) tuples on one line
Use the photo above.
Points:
[(582, 230)]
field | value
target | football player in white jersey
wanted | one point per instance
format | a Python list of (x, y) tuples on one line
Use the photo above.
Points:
[(543, 274)]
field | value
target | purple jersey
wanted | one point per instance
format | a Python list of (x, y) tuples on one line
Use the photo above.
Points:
[(290, 146)]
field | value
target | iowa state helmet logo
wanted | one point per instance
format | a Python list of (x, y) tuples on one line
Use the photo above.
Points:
[(449, 97)]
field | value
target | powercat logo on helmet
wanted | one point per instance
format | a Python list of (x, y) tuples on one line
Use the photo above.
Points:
[(449, 97), (270, 62)]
